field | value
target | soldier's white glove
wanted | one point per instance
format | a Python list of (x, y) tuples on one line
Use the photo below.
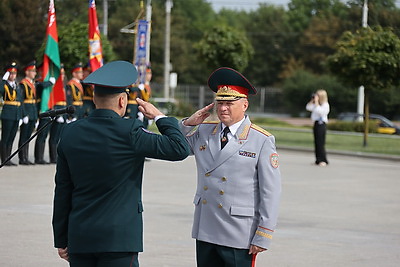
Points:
[(6, 75), (141, 86), (20, 122), (25, 120), (73, 119), (140, 116), (60, 119), (36, 124), (52, 80)]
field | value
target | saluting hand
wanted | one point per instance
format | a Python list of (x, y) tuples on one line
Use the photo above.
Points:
[(148, 109), (199, 116)]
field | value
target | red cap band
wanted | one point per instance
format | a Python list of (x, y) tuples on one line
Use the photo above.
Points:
[(239, 89)]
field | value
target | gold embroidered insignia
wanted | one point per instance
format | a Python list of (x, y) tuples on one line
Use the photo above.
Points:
[(263, 234), (261, 130), (243, 135), (203, 147)]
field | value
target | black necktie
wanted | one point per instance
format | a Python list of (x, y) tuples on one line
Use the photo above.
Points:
[(224, 139)]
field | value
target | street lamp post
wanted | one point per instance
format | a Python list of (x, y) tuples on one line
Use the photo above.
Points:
[(168, 7)]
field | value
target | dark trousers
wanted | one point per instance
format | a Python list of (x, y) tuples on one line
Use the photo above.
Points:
[(25, 132), (319, 142), (55, 131), (212, 255), (9, 130), (106, 259), (41, 137)]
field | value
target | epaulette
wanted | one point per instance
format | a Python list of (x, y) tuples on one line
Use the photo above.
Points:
[(210, 122), (261, 130)]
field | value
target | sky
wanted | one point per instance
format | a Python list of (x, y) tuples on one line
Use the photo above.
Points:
[(244, 4)]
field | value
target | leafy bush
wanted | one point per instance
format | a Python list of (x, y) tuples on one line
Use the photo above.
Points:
[(298, 88), (180, 109)]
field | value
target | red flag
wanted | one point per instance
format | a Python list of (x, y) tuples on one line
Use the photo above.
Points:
[(51, 60), (95, 51)]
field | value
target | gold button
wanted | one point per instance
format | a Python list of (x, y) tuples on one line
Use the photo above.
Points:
[(221, 192), (205, 187), (223, 179), (208, 174), (204, 201), (220, 206)]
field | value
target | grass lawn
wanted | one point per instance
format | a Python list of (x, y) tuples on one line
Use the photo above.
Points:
[(334, 141)]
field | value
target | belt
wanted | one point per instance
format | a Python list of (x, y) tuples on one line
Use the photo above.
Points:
[(132, 102), (14, 103), (77, 103), (60, 103), (30, 101), (87, 98)]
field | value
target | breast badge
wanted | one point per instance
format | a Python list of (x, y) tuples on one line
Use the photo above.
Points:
[(203, 147), (247, 154)]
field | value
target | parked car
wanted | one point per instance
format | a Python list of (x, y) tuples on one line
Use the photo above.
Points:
[(385, 126)]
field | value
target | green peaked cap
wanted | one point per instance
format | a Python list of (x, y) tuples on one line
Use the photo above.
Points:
[(113, 77)]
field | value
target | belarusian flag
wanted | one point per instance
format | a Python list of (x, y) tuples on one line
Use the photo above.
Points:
[(51, 61), (95, 51)]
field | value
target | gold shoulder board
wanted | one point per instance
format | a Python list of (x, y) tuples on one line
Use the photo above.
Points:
[(261, 130)]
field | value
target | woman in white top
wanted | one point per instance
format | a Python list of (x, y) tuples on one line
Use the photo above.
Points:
[(319, 108)]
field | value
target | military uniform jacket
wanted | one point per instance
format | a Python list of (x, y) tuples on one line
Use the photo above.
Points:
[(12, 109), (238, 188), (98, 199), (74, 94)]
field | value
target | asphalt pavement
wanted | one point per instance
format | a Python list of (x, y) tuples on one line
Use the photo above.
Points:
[(345, 214)]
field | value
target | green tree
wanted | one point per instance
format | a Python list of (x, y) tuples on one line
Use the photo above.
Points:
[(298, 88), (302, 11), (225, 46), (21, 29), (367, 57), (73, 45), (269, 34)]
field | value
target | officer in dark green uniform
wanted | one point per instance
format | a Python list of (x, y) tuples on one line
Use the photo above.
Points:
[(56, 126), (11, 113), (29, 110), (97, 218)]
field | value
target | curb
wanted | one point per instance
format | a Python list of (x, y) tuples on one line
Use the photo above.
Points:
[(344, 153)]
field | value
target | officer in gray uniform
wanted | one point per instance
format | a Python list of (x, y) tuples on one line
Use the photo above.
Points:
[(238, 177)]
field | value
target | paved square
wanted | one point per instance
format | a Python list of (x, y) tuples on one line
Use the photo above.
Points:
[(347, 214)]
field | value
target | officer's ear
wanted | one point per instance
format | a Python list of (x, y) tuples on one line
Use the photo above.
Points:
[(245, 104)]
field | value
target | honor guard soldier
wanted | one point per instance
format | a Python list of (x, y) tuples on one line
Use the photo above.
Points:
[(57, 125), (239, 184), (132, 107), (88, 89), (97, 215), (40, 141), (11, 113), (29, 111), (74, 92)]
